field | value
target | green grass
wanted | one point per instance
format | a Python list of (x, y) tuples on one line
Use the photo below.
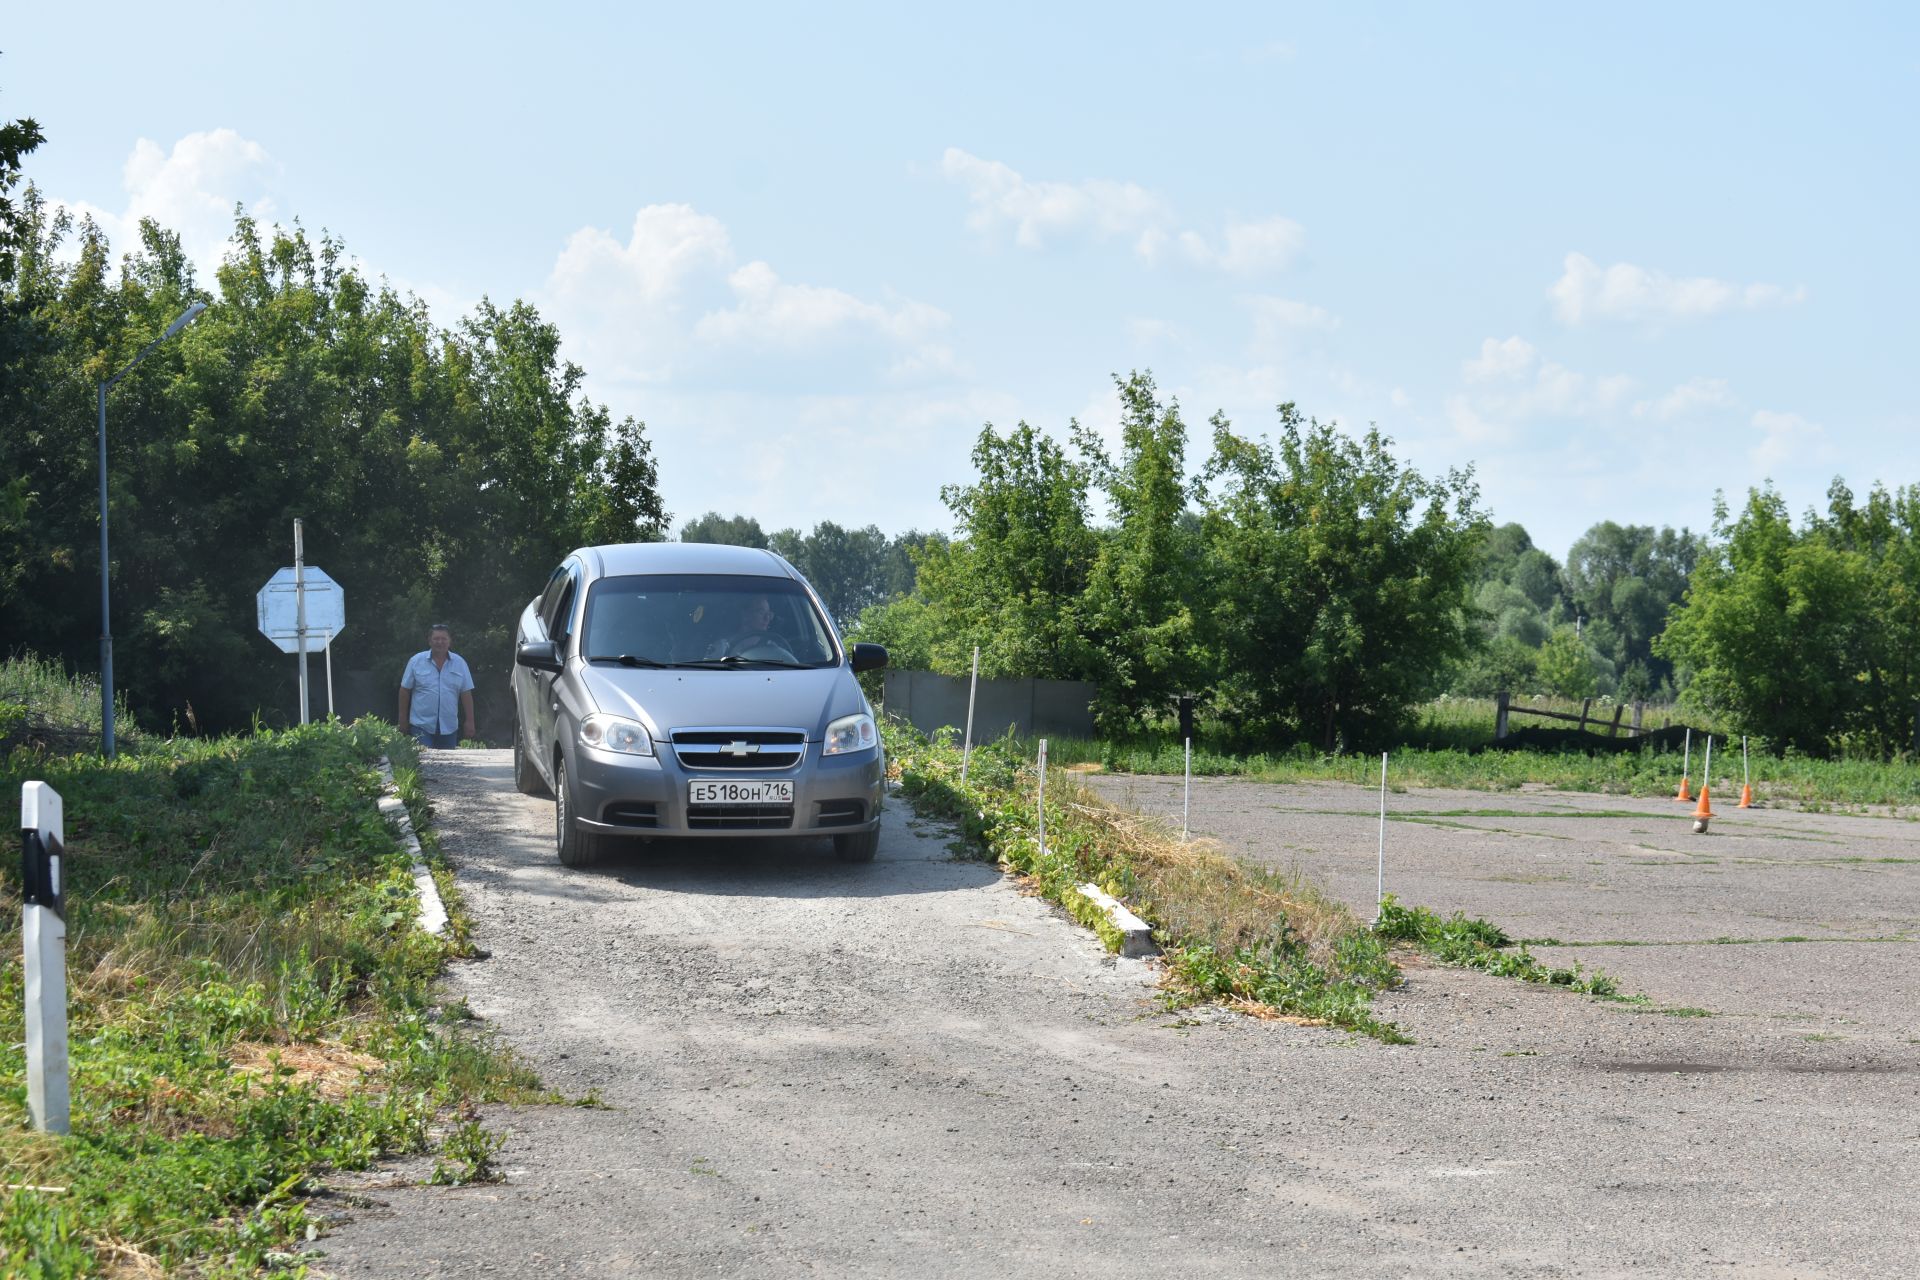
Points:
[(1475, 944), (41, 704), (1793, 780), (1229, 931), (250, 1004)]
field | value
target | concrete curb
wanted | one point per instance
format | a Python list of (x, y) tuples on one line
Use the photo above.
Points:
[(433, 912), (1136, 935)]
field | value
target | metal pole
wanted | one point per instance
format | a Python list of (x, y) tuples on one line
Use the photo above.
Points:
[(1380, 881), (43, 930), (300, 610), (1186, 794), (1746, 772), (1043, 795), (1706, 772), (329, 675), (106, 623), (966, 748), (1686, 761)]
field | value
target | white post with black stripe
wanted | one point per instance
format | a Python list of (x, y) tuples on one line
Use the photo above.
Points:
[(44, 931)]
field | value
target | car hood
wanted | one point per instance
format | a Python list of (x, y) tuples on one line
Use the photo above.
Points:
[(667, 700)]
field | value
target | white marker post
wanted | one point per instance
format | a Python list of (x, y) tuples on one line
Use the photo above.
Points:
[(300, 610), (1380, 872), (1686, 761), (1043, 795), (1706, 772), (1186, 794), (44, 931), (329, 675), (966, 748)]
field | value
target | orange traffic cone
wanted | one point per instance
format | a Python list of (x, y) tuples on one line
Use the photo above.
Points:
[(1702, 814), (1683, 794), (1746, 796)]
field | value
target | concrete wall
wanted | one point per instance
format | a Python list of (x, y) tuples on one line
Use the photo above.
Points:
[(1029, 707)]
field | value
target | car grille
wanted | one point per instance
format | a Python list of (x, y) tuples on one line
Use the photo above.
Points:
[(733, 749), (739, 817)]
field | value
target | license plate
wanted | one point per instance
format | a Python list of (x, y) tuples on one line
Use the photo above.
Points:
[(730, 791)]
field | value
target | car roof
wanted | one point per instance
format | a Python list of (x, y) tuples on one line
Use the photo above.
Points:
[(683, 557)]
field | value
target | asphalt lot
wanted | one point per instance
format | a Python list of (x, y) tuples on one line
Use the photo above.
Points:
[(911, 1068)]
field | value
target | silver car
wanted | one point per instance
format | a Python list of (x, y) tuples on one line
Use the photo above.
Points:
[(687, 690)]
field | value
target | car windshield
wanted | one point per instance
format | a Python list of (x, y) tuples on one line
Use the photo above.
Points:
[(705, 620)]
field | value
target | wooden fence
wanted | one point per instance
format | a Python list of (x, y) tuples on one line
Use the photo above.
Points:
[(1504, 706)]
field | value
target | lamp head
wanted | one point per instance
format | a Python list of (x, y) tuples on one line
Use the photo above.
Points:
[(186, 318)]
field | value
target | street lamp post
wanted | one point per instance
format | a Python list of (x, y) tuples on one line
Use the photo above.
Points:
[(106, 626)]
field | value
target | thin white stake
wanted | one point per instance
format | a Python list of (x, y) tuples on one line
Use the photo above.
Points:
[(43, 930), (1686, 761), (1043, 795), (1380, 884), (1706, 773), (1746, 773), (329, 675), (1186, 795), (966, 748), (300, 610)]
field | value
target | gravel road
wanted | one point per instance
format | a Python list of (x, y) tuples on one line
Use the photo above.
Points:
[(910, 1068)]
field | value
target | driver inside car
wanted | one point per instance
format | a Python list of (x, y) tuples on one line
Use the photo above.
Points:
[(754, 628)]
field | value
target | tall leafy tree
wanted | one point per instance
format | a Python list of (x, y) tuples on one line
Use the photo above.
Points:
[(1342, 579), (848, 567), (440, 472), (1012, 581), (732, 531), (1141, 592), (1773, 628), (1623, 579)]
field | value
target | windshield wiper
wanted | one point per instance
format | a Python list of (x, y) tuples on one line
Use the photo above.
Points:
[(737, 660), (628, 660)]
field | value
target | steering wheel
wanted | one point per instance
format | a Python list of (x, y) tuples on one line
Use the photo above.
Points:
[(762, 640)]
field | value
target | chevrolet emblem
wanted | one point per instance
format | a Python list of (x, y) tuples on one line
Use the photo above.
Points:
[(740, 749)]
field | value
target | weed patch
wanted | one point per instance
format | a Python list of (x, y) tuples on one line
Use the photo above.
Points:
[(1230, 932), (250, 1005), (1475, 944)]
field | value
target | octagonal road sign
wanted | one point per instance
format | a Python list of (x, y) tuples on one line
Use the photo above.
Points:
[(326, 609)]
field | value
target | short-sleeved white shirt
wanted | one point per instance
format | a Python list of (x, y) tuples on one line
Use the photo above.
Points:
[(436, 691)]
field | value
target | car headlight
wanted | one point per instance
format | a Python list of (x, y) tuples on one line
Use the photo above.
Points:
[(850, 733), (616, 733)]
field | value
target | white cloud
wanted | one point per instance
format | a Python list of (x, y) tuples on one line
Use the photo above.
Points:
[(1787, 440), (1282, 322), (193, 190), (1586, 291), (1038, 213), (1247, 247), (671, 302), (1500, 360), (1690, 399), (1508, 385)]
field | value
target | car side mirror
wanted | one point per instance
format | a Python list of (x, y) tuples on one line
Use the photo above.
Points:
[(541, 655), (868, 657)]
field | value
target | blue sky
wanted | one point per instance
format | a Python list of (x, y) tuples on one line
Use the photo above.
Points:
[(1615, 258)]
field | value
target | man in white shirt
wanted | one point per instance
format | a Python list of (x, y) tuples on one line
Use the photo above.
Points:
[(436, 693)]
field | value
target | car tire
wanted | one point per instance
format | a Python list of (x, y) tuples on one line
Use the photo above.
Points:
[(526, 779), (858, 846), (576, 848)]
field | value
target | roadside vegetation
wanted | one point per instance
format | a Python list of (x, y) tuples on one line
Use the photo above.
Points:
[(251, 1005), (1229, 931)]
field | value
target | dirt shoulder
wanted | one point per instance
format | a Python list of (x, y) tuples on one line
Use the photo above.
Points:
[(912, 1068)]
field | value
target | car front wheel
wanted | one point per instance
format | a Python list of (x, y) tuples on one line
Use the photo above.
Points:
[(576, 848), (859, 846), (526, 778)]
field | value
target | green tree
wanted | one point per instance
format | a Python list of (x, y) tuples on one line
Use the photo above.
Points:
[(1773, 627), (1012, 582), (1139, 602), (441, 472), (848, 567), (1342, 579), (1623, 579), (1566, 663), (732, 531)]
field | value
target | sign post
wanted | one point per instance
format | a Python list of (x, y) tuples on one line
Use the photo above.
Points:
[(44, 931), (302, 610)]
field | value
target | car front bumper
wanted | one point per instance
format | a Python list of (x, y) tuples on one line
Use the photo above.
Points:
[(647, 796)]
